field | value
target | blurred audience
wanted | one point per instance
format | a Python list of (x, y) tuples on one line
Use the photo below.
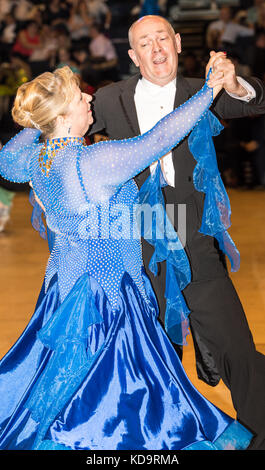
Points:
[(259, 25), (39, 35), (192, 66), (44, 57), (56, 12), (28, 39), (252, 13), (23, 10), (79, 22), (256, 56), (6, 198), (7, 36), (103, 55), (5, 8), (150, 7), (224, 33), (99, 13)]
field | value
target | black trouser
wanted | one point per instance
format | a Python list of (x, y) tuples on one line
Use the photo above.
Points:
[(222, 339)]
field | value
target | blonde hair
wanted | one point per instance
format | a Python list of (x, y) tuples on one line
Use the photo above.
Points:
[(39, 102)]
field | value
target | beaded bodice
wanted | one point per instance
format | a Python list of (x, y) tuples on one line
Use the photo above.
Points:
[(88, 195), (51, 147)]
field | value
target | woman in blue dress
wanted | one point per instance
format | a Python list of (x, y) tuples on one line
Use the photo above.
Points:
[(94, 370)]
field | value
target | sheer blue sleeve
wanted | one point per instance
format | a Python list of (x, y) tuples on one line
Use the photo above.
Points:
[(105, 166), (15, 155)]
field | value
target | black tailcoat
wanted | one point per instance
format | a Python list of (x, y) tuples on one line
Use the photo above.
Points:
[(223, 342)]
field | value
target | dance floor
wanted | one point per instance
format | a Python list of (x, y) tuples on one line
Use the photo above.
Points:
[(23, 258)]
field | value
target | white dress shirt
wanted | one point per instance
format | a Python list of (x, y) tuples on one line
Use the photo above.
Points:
[(153, 102)]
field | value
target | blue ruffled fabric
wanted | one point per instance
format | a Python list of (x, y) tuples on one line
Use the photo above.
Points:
[(167, 247), (94, 378), (207, 179), (36, 216), (215, 222)]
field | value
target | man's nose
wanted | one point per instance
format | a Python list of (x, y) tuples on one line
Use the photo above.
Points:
[(156, 46)]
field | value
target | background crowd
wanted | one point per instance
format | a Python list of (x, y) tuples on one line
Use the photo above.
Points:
[(91, 37)]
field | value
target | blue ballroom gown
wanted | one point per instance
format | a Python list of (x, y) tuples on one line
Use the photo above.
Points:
[(94, 369)]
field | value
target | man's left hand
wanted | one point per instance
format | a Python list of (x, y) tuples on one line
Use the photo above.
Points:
[(223, 65)]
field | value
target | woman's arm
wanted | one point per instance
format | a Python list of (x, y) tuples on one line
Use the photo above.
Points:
[(105, 166), (15, 155)]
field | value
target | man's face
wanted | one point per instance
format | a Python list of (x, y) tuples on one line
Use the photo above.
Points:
[(155, 49)]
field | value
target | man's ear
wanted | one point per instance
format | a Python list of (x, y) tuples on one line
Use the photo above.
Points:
[(178, 42), (133, 57)]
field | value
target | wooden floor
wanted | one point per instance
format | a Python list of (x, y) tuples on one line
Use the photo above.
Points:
[(23, 258)]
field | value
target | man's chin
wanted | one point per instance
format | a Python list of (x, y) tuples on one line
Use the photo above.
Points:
[(162, 78), (163, 71)]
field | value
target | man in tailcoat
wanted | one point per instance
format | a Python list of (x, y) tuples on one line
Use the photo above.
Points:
[(223, 342)]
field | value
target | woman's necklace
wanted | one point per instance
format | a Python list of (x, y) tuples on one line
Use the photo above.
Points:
[(50, 149)]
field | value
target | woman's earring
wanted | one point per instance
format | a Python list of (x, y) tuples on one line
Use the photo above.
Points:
[(69, 130)]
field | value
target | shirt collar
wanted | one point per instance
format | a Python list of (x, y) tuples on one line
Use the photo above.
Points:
[(154, 89)]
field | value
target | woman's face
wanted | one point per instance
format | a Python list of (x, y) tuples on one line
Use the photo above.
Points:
[(80, 114)]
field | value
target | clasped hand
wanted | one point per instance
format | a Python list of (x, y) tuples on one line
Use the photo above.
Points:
[(223, 75)]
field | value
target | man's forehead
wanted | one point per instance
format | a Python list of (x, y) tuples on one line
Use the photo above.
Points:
[(156, 31), (145, 27)]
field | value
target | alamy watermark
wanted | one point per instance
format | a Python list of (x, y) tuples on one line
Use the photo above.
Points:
[(123, 221)]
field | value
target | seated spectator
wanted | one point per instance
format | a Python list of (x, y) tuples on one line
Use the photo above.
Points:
[(260, 23), (242, 69), (28, 40), (64, 57), (103, 54), (78, 23), (153, 7), (256, 56), (223, 33), (43, 59), (6, 198), (56, 12), (192, 67), (8, 36), (89, 74), (252, 13), (62, 35), (22, 10), (253, 148), (12, 74), (150, 7), (5, 8), (99, 12)]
